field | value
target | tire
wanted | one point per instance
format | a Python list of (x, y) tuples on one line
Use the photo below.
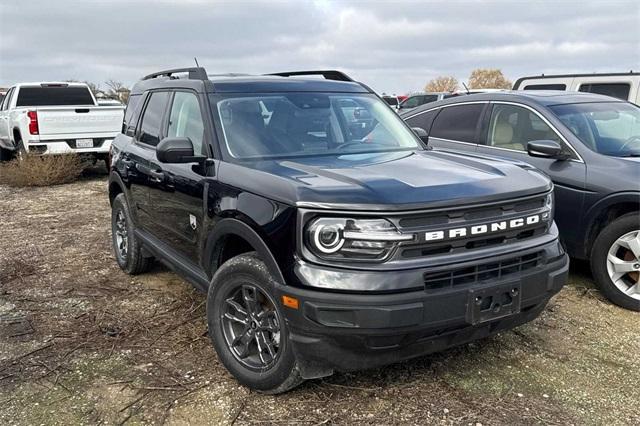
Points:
[(20, 152), (5, 154), (130, 259), (244, 280), (623, 289)]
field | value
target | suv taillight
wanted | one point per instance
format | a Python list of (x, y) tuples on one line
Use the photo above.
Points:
[(33, 122)]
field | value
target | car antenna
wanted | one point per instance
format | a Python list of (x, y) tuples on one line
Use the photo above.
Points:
[(197, 64), (466, 88)]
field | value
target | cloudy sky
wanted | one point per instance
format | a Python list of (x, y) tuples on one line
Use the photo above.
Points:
[(395, 47)]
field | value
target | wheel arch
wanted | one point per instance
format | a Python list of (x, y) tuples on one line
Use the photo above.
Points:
[(231, 237), (606, 211)]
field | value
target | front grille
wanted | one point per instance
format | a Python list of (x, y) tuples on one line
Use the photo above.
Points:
[(482, 272), (422, 223)]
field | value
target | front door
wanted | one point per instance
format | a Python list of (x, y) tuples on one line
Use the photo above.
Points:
[(177, 196), (510, 128)]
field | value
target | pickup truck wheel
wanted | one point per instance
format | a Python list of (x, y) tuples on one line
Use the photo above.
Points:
[(20, 152), (247, 327), (615, 261), (125, 244), (5, 154)]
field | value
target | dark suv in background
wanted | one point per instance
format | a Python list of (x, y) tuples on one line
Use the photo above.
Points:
[(324, 242), (588, 144)]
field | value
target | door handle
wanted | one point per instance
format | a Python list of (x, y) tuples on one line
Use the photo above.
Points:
[(157, 174)]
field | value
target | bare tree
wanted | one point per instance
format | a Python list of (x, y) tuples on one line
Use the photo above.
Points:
[(490, 78), (445, 83), (117, 90), (94, 87)]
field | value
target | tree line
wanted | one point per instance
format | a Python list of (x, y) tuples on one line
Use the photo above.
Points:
[(481, 78)]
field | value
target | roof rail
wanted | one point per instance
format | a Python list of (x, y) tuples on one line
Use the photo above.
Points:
[(327, 74), (195, 73)]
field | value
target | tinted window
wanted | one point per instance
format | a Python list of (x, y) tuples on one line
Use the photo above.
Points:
[(7, 100), (458, 123), (129, 124), (50, 96), (617, 90), (511, 127), (152, 119), (423, 120), (546, 87), (412, 102), (186, 119), (429, 98)]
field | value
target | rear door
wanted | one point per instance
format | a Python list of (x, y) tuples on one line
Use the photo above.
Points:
[(176, 191), (143, 150), (509, 129)]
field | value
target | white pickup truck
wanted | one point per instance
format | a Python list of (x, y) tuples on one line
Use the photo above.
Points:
[(56, 118)]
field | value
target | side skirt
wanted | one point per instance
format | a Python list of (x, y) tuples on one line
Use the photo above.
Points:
[(174, 260)]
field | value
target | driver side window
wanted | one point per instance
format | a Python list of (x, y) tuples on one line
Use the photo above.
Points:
[(512, 127)]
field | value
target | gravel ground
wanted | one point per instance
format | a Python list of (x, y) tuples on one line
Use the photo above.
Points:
[(81, 342)]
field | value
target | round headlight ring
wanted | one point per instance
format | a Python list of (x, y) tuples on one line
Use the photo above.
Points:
[(327, 238)]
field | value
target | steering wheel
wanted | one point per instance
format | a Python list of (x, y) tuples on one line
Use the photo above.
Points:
[(628, 141)]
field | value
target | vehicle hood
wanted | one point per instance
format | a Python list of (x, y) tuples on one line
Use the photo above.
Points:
[(386, 181)]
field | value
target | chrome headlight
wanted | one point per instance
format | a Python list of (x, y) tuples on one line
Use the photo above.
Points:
[(353, 239)]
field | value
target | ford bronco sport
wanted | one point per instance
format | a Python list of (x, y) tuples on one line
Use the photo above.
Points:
[(325, 240)]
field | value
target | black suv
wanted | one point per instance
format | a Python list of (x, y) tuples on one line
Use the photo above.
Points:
[(588, 144), (324, 242)]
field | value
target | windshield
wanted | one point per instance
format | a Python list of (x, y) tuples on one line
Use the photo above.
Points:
[(609, 128), (309, 124)]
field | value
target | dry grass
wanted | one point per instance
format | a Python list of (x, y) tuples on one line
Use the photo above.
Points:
[(36, 170)]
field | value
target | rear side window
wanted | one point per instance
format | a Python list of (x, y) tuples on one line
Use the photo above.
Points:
[(54, 96), (616, 90), (152, 118), (423, 121), (130, 121), (557, 86), (458, 123)]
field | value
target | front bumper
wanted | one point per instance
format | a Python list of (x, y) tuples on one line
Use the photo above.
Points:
[(346, 331)]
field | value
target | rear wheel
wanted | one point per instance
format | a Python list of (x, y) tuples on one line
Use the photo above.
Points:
[(615, 261), (126, 246), (5, 154), (247, 327)]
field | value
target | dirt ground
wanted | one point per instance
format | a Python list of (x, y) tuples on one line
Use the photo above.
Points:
[(83, 343)]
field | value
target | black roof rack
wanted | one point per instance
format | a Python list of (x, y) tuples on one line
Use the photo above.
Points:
[(327, 74), (195, 73)]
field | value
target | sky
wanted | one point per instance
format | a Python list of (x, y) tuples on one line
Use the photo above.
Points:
[(394, 47)]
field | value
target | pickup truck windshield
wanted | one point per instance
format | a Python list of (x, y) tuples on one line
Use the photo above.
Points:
[(53, 96), (309, 124), (609, 128)]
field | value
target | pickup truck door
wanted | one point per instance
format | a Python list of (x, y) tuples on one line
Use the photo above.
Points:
[(509, 129), (5, 139), (176, 193)]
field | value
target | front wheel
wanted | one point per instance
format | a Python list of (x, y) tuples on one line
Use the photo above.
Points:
[(247, 328), (615, 261)]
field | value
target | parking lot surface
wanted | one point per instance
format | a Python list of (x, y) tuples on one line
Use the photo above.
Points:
[(81, 342)]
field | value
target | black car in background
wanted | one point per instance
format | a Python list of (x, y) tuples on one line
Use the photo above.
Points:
[(590, 147), (327, 236)]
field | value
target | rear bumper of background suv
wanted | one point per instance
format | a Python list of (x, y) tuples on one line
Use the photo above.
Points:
[(345, 331)]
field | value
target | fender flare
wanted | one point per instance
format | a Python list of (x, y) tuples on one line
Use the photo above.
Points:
[(114, 178), (230, 226), (603, 204)]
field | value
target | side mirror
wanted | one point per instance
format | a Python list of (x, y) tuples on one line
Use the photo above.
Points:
[(421, 133), (177, 150), (545, 149)]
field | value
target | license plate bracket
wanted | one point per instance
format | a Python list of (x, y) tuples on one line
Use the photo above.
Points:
[(487, 304), (84, 143)]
